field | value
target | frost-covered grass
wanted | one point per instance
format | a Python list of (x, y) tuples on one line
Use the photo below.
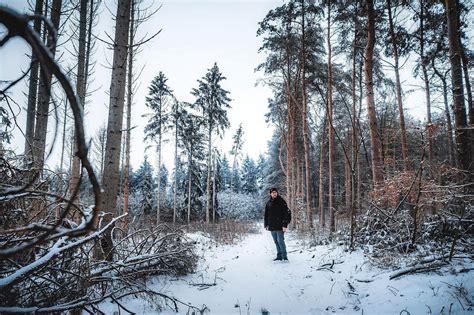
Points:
[(241, 278)]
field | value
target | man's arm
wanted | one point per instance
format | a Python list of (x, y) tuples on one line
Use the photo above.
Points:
[(265, 218)]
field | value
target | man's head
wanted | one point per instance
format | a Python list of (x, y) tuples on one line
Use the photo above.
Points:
[(273, 192)]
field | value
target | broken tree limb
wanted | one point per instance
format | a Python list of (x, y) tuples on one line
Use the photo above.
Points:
[(417, 269)]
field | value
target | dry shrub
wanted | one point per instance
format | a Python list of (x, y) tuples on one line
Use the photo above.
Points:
[(438, 222), (393, 190), (225, 231)]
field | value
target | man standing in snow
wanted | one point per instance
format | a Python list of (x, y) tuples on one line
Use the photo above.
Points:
[(277, 218)]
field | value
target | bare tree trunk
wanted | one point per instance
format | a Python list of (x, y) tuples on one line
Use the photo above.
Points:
[(465, 68), (32, 88), (175, 179), (189, 187), (110, 176), (369, 55), (128, 129), (424, 64), (63, 144), (208, 182), (348, 174), (214, 188), (158, 199), (81, 92), (306, 136), (44, 95), (449, 134), (354, 140), (465, 148), (332, 226), (322, 156), (398, 86)]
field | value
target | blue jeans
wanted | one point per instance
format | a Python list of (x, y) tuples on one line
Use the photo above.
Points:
[(279, 239)]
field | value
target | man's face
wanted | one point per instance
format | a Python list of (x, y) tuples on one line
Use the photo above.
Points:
[(274, 194)]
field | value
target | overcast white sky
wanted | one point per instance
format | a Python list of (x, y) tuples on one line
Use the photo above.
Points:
[(195, 34)]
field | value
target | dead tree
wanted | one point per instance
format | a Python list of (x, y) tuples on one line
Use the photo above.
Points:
[(110, 177)]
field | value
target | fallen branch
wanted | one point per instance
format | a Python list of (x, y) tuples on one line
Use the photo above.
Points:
[(417, 269)]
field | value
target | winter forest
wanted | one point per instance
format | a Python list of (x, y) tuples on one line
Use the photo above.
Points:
[(145, 201)]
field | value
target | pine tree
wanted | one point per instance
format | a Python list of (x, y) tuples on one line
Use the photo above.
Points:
[(249, 176), (145, 184), (159, 100), (191, 138), (212, 101)]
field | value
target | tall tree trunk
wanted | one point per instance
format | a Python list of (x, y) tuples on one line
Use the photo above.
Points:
[(332, 221), (189, 186), (322, 156), (467, 81), (110, 176), (369, 55), (63, 142), (128, 127), (354, 140), (306, 137), (32, 89), (463, 139), (158, 199), (449, 127), (214, 188), (175, 179), (424, 64), (81, 92), (208, 182), (398, 88), (44, 95)]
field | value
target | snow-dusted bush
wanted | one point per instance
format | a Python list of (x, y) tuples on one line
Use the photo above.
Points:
[(238, 206)]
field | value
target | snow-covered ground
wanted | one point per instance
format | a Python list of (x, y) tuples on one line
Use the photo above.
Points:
[(247, 281)]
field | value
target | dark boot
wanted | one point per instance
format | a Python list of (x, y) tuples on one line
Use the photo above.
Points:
[(277, 258)]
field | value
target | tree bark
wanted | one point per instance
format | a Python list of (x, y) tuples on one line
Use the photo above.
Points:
[(32, 89), (44, 95), (175, 179), (110, 176), (424, 64), (306, 137), (322, 155), (128, 127), (332, 226), (81, 92), (398, 87), (189, 186), (463, 139), (208, 181), (449, 127), (465, 68), (368, 69)]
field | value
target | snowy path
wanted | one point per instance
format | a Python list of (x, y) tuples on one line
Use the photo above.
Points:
[(248, 281)]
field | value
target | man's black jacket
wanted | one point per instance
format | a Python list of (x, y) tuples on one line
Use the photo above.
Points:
[(277, 214)]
